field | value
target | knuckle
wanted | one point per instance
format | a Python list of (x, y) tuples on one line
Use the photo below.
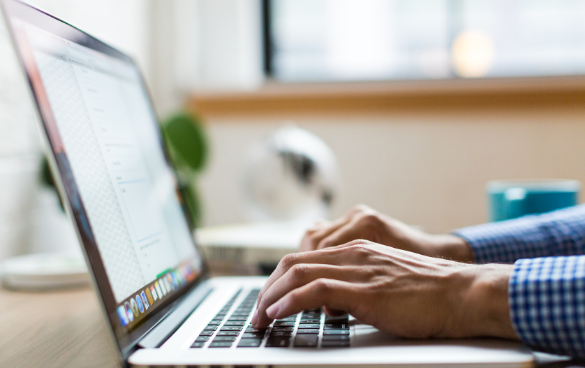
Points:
[(370, 219), (311, 231), (356, 242), (361, 248), (288, 261), (322, 286), (299, 270)]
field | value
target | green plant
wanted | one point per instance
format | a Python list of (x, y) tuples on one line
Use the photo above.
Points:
[(188, 148), (187, 143)]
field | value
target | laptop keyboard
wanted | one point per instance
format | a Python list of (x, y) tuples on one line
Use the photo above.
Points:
[(309, 329)]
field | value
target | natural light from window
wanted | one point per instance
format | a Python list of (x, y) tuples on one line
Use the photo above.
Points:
[(331, 40)]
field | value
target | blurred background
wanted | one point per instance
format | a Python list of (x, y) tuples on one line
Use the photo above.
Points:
[(421, 101)]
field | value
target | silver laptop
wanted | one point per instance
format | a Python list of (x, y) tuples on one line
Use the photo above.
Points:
[(120, 190)]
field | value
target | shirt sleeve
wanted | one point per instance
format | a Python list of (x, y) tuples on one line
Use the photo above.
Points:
[(547, 303), (557, 233)]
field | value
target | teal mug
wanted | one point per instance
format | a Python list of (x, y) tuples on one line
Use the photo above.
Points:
[(510, 199)]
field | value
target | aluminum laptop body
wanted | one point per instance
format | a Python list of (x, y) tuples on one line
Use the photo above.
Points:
[(108, 155)]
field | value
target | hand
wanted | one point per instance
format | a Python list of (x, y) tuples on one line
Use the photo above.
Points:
[(362, 222), (403, 293)]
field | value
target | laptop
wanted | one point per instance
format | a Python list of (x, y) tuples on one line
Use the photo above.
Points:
[(160, 304)]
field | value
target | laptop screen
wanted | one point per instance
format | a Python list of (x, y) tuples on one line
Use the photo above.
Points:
[(109, 153)]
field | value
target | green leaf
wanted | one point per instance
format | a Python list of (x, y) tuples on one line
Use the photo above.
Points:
[(186, 136)]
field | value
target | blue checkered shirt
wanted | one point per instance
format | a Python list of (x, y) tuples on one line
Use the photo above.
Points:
[(547, 288)]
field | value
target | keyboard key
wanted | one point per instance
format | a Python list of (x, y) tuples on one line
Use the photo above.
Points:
[(335, 343), (280, 333), (335, 326), (228, 333), (283, 328), (311, 316), (206, 333), (284, 324), (256, 335), (310, 331), (245, 314), (238, 318), (202, 339), (214, 323), (220, 344), (306, 341), (231, 328), (310, 321), (198, 345), (252, 329), (335, 337), (336, 332), (235, 323), (278, 342), (250, 343), (210, 328), (309, 325), (338, 319), (225, 338), (291, 318)]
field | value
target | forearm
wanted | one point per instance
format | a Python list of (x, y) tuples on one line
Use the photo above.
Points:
[(559, 233)]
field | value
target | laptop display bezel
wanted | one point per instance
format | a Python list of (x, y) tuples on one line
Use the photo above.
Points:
[(16, 10)]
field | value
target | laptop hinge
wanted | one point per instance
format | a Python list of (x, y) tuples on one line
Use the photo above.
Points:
[(163, 330)]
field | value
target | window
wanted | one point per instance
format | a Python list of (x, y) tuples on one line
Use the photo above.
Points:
[(347, 40)]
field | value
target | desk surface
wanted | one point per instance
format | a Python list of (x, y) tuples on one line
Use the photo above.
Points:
[(66, 329), (53, 329)]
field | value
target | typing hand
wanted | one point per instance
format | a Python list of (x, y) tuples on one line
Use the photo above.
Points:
[(362, 222), (403, 293)]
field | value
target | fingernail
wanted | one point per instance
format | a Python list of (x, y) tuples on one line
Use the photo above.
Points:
[(255, 317), (273, 310)]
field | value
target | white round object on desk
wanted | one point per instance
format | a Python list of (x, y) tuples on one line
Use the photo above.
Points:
[(292, 175), (45, 271)]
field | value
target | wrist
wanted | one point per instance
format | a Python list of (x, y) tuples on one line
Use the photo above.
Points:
[(485, 302), (454, 248)]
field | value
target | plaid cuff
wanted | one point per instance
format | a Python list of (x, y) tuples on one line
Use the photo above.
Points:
[(555, 233), (547, 303)]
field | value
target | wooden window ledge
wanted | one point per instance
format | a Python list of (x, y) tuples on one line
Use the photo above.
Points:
[(383, 97)]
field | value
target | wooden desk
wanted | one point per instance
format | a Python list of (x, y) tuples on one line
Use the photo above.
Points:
[(53, 329), (66, 329)]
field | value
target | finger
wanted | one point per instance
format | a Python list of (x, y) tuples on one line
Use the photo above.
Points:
[(348, 232), (360, 208), (333, 312), (316, 234), (300, 275), (333, 294), (313, 237), (332, 256)]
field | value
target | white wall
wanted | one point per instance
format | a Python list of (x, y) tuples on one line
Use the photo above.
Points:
[(427, 169), (203, 45)]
